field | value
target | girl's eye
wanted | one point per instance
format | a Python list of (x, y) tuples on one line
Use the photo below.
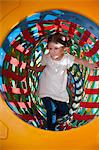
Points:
[(50, 49)]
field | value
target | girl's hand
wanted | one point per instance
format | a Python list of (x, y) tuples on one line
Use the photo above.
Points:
[(86, 63), (93, 66)]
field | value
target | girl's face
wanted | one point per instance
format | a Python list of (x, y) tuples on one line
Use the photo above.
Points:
[(56, 51)]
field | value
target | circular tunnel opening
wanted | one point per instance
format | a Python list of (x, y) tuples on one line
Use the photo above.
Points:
[(24, 44)]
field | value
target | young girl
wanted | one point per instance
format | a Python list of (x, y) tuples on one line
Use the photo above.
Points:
[(52, 84)]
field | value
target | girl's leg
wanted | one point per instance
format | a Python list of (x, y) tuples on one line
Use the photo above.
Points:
[(49, 108), (62, 109)]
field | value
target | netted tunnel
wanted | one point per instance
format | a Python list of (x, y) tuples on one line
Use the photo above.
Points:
[(24, 45)]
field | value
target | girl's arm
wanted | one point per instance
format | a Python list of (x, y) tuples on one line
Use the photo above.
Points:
[(86, 63), (35, 68)]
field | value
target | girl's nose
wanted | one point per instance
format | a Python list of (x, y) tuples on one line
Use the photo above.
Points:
[(54, 50)]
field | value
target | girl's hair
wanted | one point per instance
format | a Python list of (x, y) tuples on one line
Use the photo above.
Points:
[(59, 38)]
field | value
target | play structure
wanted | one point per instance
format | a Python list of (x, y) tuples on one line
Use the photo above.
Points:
[(22, 113)]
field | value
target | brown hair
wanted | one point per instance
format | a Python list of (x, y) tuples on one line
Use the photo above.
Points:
[(59, 38)]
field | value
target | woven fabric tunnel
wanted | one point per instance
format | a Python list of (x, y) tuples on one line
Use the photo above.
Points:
[(24, 44)]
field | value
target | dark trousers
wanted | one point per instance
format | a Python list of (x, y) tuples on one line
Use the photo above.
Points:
[(55, 109)]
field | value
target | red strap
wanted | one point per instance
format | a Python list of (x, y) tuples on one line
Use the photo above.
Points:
[(89, 104), (93, 78), (28, 37), (84, 38), (72, 29), (92, 51), (92, 91), (13, 75), (83, 117)]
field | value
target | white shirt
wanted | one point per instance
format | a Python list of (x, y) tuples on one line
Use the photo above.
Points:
[(53, 80)]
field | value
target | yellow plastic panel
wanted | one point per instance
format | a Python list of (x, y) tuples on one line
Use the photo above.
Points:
[(20, 135)]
